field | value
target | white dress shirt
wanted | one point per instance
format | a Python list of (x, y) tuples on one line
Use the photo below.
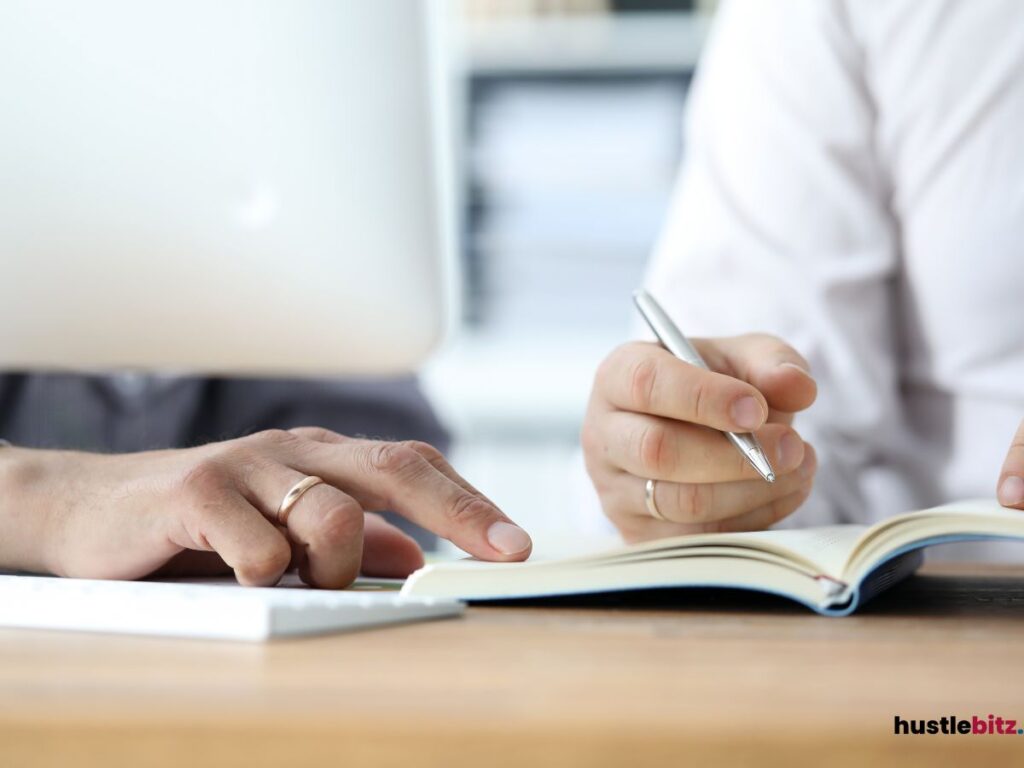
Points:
[(854, 183)]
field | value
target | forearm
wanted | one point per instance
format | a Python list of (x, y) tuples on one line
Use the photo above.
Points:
[(24, 516)]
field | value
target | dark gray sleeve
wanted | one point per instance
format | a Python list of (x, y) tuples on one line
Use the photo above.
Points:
[(99, 414), (388, 409)]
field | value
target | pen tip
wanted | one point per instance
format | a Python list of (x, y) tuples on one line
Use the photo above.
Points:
[(770, 477)]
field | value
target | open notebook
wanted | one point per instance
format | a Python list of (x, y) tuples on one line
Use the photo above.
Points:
[(832, 569)]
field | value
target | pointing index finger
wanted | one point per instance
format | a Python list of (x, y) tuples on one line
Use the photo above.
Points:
[(384, 475)]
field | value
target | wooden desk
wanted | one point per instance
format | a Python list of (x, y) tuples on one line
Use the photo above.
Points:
[(723, 680)]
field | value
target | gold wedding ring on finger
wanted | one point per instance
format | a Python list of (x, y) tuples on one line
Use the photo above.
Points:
[(652, 505), (293, 495)]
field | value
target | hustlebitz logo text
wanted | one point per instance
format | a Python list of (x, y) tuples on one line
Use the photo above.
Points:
[(952, 725)]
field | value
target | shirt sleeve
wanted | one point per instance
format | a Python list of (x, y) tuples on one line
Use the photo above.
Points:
[(780, 223)]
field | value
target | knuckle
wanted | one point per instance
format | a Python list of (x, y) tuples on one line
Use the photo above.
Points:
[(273, 437), (237, 460), (264, 565), (655, 449), (205, 478), (614, 361), (318, 434), (590, 440), (700, 400), (605, 374), (426, 450), (393, 458), (601, 482), (241, 458), (599, 471), (764, 338), (341, 522), (810, 461), (643, 376), (694, 502), (600, 475), (604, 370), (467, 509), (346, 574), (248, 468)]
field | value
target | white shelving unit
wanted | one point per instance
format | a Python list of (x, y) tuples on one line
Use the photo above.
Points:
[(634, 42), (514, 393)]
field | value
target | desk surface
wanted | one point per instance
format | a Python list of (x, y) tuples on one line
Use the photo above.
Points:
[(749, 678)]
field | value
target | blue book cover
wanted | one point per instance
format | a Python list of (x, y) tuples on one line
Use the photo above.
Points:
[(831, 569)]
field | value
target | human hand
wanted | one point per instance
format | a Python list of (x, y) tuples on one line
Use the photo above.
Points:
[(214, 508), (653, 416), (1010, 488)]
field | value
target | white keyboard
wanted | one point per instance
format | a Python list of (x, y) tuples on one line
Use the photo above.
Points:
[(219, 609)]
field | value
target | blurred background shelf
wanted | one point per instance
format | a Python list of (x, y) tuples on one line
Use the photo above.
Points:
[(599, 43), (571, 138)]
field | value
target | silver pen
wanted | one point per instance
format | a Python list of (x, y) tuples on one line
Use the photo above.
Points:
[(674, 341)]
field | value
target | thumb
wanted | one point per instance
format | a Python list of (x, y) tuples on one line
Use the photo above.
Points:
[(1010, 489), (771, 365)]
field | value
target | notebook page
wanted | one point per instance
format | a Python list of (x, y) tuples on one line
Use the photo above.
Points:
[(827, 546), (823, 550), (962, 519)]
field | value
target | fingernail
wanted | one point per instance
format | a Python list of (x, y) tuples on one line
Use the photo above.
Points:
[(508, 539), (1011, 491), (747, 413), (791, 452)]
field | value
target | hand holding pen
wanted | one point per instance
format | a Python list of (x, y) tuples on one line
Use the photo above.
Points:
[(656, 435)]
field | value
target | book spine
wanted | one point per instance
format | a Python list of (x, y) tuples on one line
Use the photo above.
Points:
[(880, 579)]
